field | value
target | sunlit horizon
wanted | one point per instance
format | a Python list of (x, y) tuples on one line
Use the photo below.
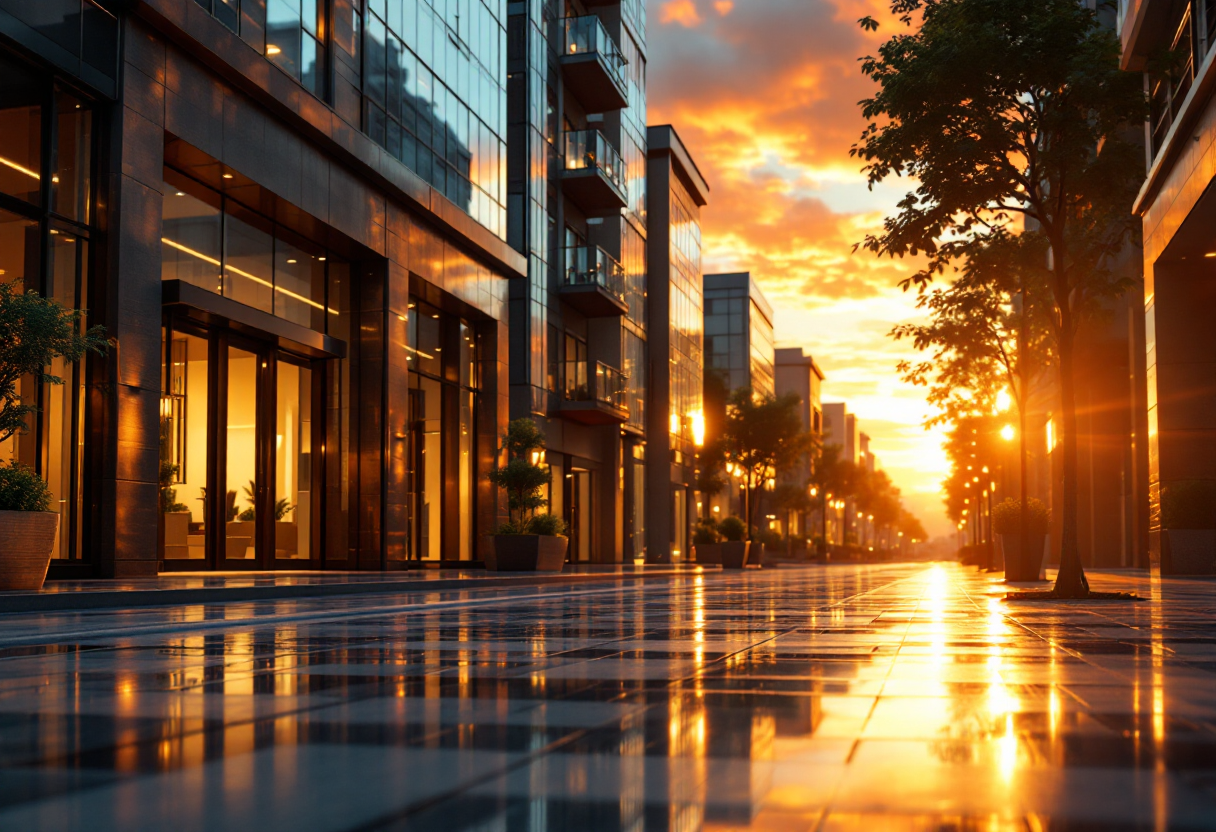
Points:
[(765, 96)]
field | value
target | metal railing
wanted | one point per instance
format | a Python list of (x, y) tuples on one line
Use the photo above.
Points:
[(590, 265), (607, 386), (590, 150), (587, 35)]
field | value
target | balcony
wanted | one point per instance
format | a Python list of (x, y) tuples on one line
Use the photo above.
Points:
[(593, 174), (599, 400), (593, 65), (593, 283)]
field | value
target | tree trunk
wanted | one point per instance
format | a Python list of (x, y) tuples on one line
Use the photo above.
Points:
[(1070, 581), (1023, 404)]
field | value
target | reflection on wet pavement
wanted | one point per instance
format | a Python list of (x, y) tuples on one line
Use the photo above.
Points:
[(895, 697)]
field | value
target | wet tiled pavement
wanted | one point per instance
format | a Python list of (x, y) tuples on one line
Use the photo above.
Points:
[(894, 697)]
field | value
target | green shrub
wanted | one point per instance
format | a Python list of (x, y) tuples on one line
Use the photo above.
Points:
[(547, 524), (1189, 504), (522, 478), (705, 533), (1007, 517), (733, 529), (23, 490)]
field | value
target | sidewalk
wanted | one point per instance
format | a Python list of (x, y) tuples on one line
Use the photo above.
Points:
[(211, 587)]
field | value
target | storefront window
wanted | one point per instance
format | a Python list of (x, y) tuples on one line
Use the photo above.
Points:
[(213, 243), (45, 205)]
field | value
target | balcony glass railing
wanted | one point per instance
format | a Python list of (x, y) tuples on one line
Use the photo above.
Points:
[(587, 35), (590, 265), (589, 150), (607, 386)]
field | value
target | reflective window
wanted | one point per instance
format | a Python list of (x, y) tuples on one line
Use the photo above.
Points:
[(213, 243), (227, 12), (434, 95), (295, 40), (45, 247), (442, 355), (21, 101)]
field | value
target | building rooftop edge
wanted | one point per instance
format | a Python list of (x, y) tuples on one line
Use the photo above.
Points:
[(663, 138)]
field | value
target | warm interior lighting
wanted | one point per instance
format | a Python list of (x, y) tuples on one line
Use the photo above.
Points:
[(271, 49), (9, 163), (212, 261), (1051, 435), (1210, 254), (226, 175)]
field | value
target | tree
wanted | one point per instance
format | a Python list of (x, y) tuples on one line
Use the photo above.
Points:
[(710, 478), (523, 477), (832, 477), (789, 498), (1006, 111), (757, 435), (34, 331), (987, 332)]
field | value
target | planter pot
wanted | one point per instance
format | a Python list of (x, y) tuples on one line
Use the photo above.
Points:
[(707, 553), (527, 553), (737, 553), (1015, 569), (27, 539), (1188, 552)]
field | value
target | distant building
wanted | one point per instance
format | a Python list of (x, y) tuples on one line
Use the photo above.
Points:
[(840, 428), (676, 416), (797, 372), (739, 332)]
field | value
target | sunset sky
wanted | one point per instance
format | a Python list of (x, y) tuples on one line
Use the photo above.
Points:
[(764, 93)]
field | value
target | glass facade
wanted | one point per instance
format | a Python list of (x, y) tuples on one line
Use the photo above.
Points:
[(442, 354), (687, 318), (295, 39), (434, 96), (219, 245), (265, 430), (726, 335), (760, 351), (46, 210)]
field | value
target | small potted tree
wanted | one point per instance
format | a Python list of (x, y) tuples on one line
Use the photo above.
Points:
[(34, 331), (1007, 522), (736, 548), (528, 541), (706, 542), (1188, 528)]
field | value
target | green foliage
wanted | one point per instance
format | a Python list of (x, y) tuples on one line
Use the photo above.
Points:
[(705, 533), (281, 508), (168, 470), (1011, 115), (760, 433), (732, 529), (1189, 504), (34, 331), (547, 524), (521, 478), (1007, 516), (22, 490)]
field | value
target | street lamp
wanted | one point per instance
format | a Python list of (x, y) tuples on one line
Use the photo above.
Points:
[(1007, 433)]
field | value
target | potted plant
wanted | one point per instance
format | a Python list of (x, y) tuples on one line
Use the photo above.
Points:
[(706, 542), (528, 541), (1188, 528), (1007, 522), (736, 548), (34, 331)]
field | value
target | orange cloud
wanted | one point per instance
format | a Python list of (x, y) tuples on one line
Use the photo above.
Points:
[(766, 101), (683, 12)]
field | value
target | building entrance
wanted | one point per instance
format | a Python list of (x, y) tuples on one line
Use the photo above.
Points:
[(237, 465)]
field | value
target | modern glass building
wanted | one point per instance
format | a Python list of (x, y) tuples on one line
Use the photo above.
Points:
[(290, 216), (739, 333), (577, 199), (676, 423)]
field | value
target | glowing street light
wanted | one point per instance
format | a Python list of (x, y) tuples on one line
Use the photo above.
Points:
[(1007, 433)]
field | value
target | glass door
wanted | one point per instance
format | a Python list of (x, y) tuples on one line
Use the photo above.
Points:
[(244, 474), (237, 422)]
